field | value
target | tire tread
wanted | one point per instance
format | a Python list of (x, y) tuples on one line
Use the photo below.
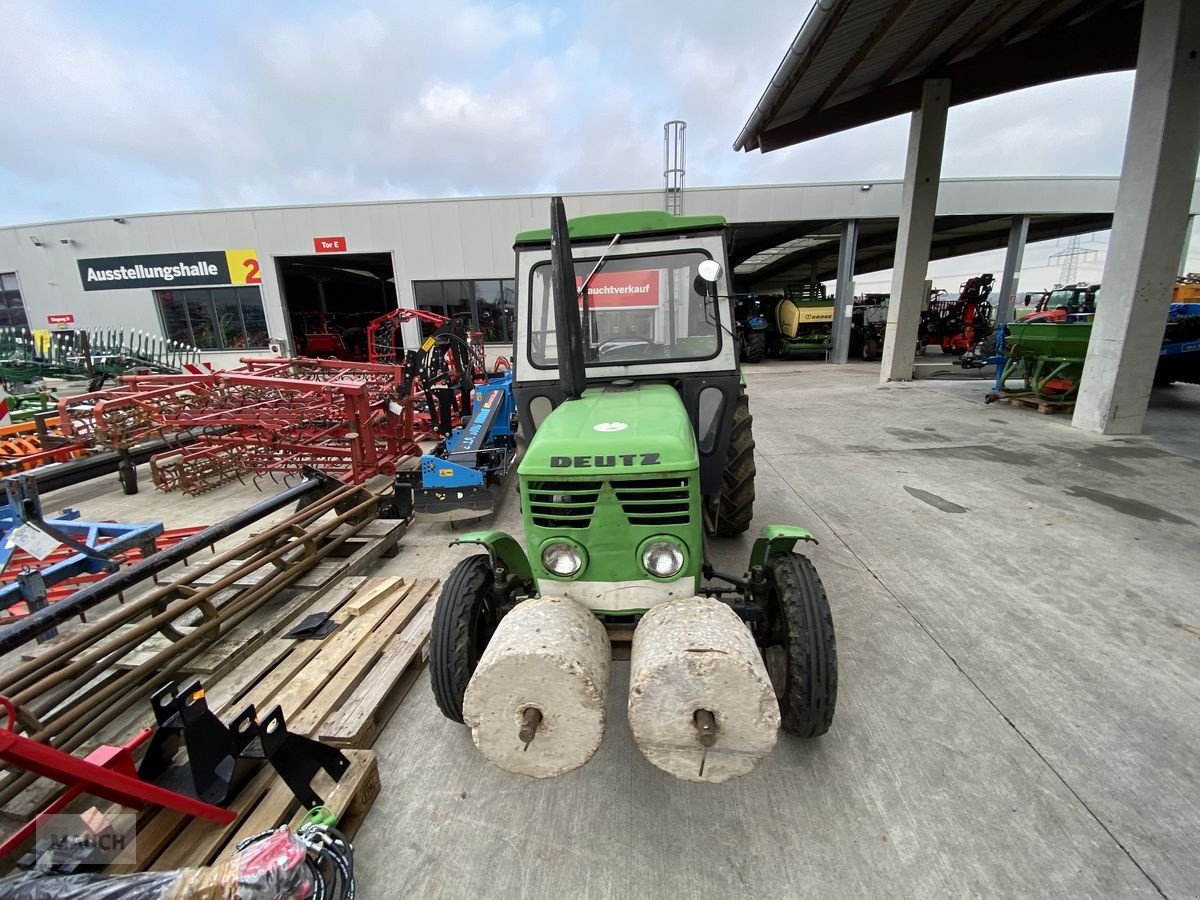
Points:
[(450, 638), (736, 509), (808, 703)]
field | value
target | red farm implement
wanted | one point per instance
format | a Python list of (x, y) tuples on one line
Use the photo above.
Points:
[(960, 324), (273, 417)]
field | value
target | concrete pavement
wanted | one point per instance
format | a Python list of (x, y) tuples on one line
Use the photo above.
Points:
[(1019, 640)]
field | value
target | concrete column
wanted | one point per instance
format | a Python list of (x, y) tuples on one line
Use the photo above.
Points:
[(1011, 276), (839, 344), (1187, 245), (922, 174), (1157, 176)]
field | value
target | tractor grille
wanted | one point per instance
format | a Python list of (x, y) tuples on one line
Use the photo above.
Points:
[(563, 504), (656, 501)]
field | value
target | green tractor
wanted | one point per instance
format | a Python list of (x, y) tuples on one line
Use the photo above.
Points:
[(639, 449), (801, 321)]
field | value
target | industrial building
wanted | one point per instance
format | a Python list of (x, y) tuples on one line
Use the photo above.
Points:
[(308, 279)]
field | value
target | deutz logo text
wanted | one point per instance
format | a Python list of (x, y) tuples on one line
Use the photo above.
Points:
[(604, 462)]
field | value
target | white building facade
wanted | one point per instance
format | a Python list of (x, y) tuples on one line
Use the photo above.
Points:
[(213, 278)]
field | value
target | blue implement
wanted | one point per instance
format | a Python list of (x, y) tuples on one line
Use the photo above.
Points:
[(457, 480)]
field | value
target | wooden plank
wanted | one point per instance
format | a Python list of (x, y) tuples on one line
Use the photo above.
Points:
[(340, 682), (363, 715), (365, 599), (351, 798), (301, 675), (225, 692), (366, 544), (315, 577), (200, 840), (203, 839), (156, 830), (352, 795), (361, 561), (225, 651)]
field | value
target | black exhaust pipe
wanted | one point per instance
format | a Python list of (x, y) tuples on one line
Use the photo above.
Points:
[(567, 330)]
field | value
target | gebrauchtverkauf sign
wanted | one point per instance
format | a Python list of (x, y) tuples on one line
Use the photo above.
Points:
[(111, 273)]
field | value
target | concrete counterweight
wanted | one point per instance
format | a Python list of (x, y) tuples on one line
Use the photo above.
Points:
[(701, 705), (536, 703)]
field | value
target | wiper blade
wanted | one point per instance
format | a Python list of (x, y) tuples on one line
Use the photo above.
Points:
[(600, 262)]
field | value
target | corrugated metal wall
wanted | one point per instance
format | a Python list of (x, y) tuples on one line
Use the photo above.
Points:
[(446, 239)]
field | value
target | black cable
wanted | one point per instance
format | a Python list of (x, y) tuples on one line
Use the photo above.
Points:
[(326, 848)]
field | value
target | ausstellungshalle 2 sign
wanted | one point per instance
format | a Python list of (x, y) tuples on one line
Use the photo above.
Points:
[(111, 273)]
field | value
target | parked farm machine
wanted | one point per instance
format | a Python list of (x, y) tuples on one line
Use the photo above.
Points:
[(639, 446), (960, 324)]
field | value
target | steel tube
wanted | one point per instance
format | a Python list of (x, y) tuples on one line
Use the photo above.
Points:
[(30, 627), (130, 639), (20, 678), (174, 655), (72, 728)]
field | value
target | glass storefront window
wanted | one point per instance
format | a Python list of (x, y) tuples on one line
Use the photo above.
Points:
[(12, 306), (230, 318), (488, 300)]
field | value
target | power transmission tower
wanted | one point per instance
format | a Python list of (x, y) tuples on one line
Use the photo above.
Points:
[(1070, 256)]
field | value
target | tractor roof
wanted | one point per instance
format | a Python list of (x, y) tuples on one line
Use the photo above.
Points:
[(645, 221)]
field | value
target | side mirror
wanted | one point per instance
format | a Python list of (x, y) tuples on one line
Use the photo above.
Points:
[(707, 274), (709, 270)]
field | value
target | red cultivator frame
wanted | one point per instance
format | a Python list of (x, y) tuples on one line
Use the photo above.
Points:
[(274, 417)]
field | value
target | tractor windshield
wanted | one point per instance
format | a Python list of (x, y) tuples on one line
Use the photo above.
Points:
[(635, 309)]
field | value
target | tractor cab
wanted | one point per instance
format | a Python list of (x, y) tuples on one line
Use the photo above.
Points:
[(646, 316), (639, 447)]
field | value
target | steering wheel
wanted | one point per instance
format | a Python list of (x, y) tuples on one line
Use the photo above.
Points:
[(634, 346)]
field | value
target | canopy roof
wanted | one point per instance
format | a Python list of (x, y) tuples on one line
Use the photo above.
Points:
[(859, 61)]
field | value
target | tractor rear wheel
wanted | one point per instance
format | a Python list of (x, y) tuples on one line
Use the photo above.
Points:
[(463, 622), (801, 654), (730, 515), (754, 346)]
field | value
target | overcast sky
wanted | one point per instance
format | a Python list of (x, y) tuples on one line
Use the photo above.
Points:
[(144, 106)]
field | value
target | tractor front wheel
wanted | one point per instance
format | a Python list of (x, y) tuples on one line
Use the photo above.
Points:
[(463, 622), (801, 653), (754, 346), (730, 514)]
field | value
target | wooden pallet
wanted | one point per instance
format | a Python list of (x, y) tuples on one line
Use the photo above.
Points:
[(347, 684), (314, 682), (1033, 401)]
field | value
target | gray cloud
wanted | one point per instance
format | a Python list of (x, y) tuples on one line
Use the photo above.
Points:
[(395, 100)]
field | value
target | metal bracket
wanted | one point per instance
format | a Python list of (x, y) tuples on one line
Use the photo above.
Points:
[(107, 772), (296, 758), (213, 770)]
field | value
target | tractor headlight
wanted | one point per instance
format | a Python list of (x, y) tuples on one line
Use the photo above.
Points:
[(561, 559), (662, 559)]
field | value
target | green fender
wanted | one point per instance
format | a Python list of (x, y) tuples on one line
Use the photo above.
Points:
[(777, 540), (505, 552)]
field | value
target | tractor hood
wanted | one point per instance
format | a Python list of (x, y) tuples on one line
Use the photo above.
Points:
[(632, 430)]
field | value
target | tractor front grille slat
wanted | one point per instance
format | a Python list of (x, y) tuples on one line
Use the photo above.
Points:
[(572, 504), (655, 501), (563, 504)]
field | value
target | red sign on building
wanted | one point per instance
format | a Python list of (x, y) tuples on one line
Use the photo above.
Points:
[(63, 319), (330, 244), (622, 290)]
